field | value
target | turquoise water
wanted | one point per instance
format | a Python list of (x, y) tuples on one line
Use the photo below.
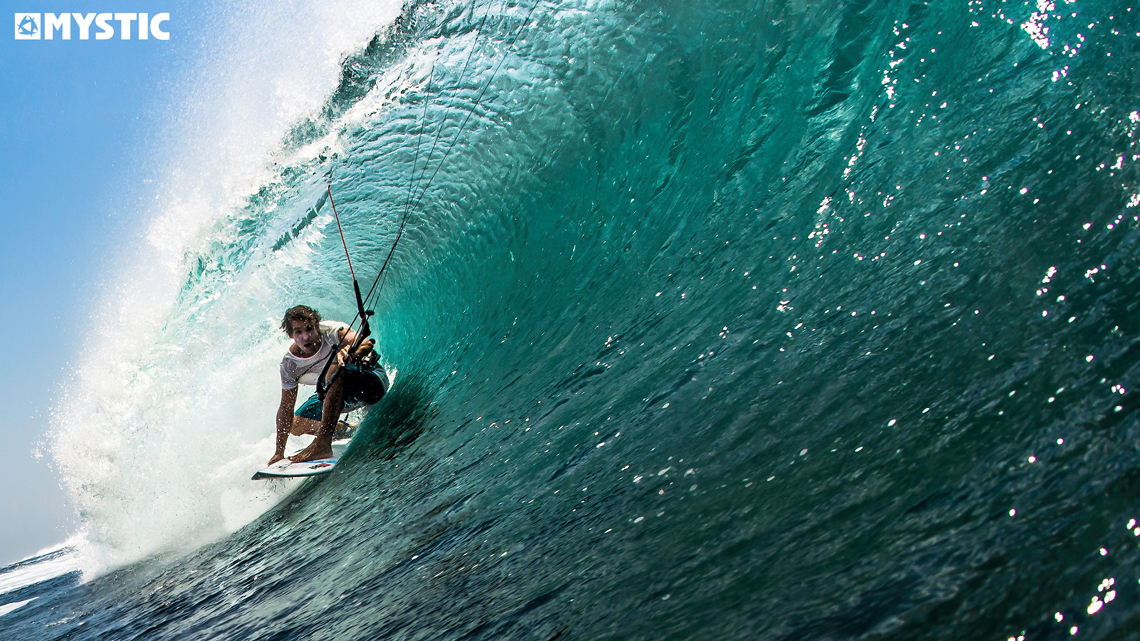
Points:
[(713, 321)]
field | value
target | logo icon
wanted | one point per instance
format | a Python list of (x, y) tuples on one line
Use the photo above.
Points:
[(27, 26)]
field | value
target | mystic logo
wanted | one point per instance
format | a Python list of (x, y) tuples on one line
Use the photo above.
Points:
[(27, 26), (142, 26)]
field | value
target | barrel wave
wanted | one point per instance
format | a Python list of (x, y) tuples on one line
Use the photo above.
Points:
[(713, 320)]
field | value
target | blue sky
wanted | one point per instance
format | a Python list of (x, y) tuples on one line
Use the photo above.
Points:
[(75, 123)]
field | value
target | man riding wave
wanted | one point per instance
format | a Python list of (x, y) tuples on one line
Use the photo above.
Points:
[(347, 384)]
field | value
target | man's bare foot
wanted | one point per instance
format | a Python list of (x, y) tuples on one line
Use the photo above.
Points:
[(318, 449)]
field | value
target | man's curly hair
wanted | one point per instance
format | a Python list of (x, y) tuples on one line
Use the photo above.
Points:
[(299, 313)]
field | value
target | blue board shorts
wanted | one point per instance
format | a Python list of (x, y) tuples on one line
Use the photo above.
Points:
[(362, 387)]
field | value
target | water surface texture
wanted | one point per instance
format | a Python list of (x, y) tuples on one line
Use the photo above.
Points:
[(714, 320)]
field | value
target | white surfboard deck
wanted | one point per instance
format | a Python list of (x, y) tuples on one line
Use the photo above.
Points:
[(288, 469)]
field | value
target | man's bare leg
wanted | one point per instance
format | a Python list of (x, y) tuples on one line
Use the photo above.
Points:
[(321, 447), (302, 425)]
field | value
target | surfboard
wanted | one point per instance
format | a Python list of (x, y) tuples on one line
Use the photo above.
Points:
[(288, 469)]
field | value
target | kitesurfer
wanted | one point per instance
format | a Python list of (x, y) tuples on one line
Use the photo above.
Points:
[(349, 383)]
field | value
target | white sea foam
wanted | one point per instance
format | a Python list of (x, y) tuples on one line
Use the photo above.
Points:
[(172, 401), (30, 571), (9, 607)]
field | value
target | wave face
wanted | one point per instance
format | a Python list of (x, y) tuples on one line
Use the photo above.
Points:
[(721, 320)]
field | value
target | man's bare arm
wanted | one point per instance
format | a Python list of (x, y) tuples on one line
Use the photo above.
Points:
[(284, 423), (347, 337)]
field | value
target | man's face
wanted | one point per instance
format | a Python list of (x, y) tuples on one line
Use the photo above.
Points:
[(306, 336)]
